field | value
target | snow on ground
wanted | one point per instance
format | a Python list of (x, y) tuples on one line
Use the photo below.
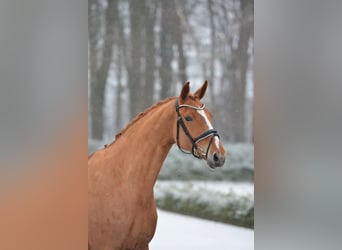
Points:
[(224, 187), (181, 232)]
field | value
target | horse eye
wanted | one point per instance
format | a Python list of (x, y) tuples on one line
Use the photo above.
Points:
[(188, 118)]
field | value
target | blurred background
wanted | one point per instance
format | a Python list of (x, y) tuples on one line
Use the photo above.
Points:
[(143, 51), (297, 123)]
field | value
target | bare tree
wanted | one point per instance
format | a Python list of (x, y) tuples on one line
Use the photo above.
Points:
[(179, 41), (121, 61), (150, 52), (119, 89), (99, 68), (212, 50), (166, 41), (151, 37), (240, 58), (134, 62)]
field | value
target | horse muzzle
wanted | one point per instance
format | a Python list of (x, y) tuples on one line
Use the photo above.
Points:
[(216, 160)]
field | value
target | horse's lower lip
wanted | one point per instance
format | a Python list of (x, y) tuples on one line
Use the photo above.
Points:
[(214, 165)]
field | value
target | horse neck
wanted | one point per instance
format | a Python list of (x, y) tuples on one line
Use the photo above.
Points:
[(146, 144)]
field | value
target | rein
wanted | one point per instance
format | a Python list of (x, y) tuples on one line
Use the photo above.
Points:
[(194, 141)]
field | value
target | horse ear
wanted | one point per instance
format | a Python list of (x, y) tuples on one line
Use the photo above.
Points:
[(185, 90), (201, 91)]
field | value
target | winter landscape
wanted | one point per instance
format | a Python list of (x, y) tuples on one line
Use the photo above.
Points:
[(183, 232), (141, 52)]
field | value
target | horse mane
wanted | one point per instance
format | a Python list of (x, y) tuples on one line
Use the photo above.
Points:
[(138, 117)]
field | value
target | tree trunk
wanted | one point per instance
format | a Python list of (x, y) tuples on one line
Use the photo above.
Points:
[(118, 117), (94, 24), (237, 97), (212, 52), (99, 73), (97, 100), (122, 60), (165, 70), (179, 40), (150, 53), (181, 60), (134, 65)]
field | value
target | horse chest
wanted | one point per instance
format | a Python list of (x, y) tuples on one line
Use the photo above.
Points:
[(140, 227), (125, 228), (143, 216)]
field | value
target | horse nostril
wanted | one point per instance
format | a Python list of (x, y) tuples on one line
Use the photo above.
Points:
[(215, 157)]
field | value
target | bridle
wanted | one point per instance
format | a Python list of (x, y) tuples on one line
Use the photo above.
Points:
[(194, 141)]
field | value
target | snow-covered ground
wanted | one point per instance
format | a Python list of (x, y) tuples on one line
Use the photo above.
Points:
[(219, 201), (223, 187), (181, 232)]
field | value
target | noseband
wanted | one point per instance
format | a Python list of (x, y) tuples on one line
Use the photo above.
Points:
[(194, 141)]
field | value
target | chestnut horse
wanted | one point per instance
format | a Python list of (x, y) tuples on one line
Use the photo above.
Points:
[(121, 210)]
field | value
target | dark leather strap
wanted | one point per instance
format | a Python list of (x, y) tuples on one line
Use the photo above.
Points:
[(193, 141)]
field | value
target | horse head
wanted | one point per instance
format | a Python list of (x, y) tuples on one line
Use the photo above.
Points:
[(194, 133)]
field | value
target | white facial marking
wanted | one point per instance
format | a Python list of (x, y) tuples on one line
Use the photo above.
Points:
[(202, 113), (216, 139), (217, 142)]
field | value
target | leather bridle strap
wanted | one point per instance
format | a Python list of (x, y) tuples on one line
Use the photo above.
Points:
[(206, 134)]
